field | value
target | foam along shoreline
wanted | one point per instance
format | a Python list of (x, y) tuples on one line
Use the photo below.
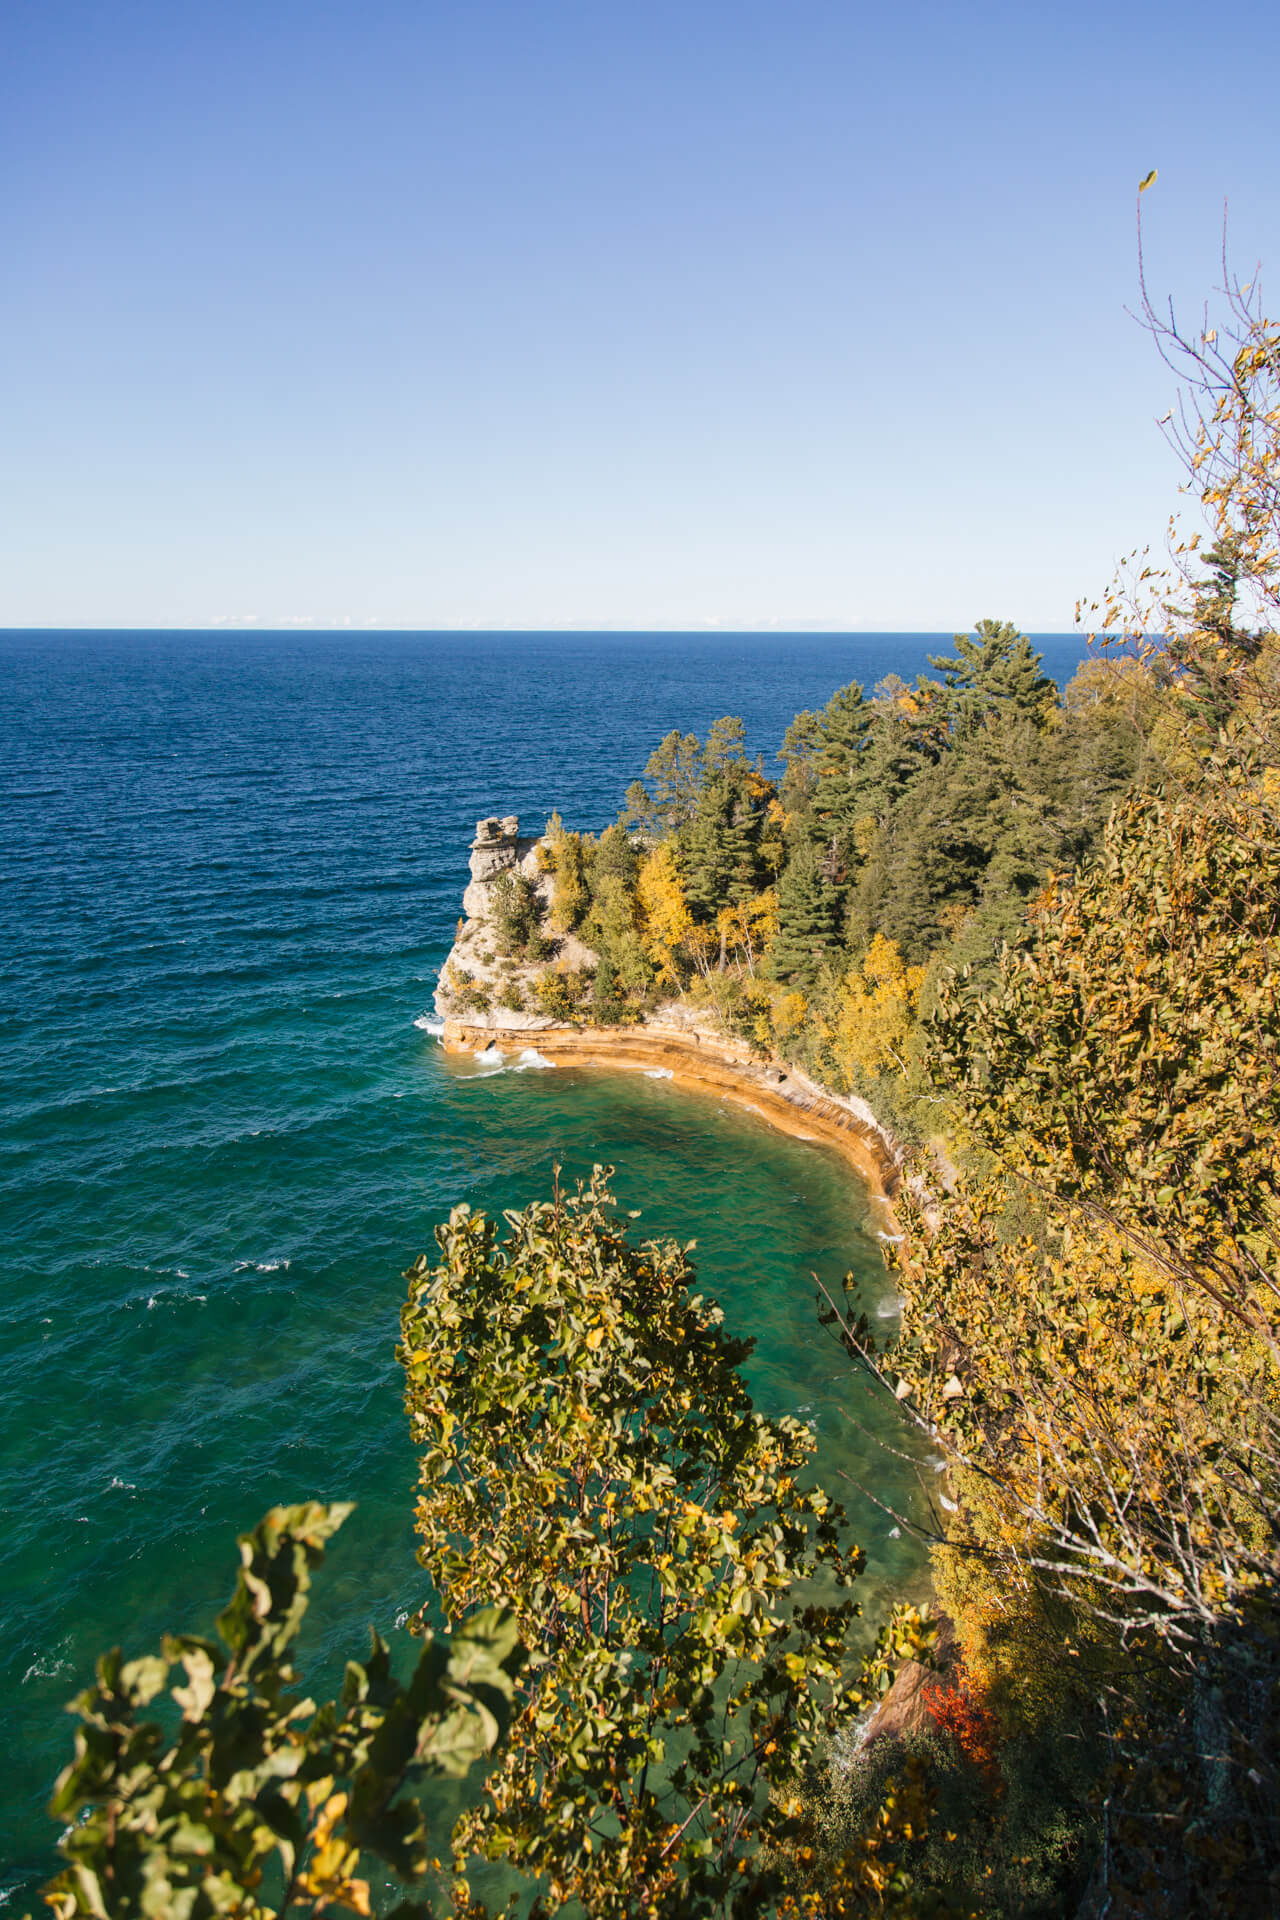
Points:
[(783, 1097)]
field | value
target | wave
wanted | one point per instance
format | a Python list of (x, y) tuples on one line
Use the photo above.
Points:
[(162, 1297), (41, 1669), (658, 1073), (492, 1060), (428, 1023), (261, 1266)]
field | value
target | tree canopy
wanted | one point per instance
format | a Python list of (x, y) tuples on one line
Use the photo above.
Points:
[(250, 1801), (591, 1459)]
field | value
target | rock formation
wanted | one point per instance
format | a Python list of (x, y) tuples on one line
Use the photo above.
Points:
[(497, 849), (484, 996), (478, 983)]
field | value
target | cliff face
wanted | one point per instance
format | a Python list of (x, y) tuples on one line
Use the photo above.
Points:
[(483, 997), (689, 1055), (498, 849), (477, 984)]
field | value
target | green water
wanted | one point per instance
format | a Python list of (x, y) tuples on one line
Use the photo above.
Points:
[(229, 873)]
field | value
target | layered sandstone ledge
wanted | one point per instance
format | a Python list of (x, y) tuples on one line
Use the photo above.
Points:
[(782, 1096), (674, 1040)]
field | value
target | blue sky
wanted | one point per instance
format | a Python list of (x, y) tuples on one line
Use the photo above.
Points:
[(551, 314)]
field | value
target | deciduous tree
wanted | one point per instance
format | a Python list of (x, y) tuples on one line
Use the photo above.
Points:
[(253, 1802), (590, 1457)]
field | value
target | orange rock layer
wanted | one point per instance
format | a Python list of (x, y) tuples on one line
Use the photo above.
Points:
[(783, 1098)]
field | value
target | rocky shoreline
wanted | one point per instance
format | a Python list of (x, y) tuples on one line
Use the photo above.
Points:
[(672, 1040), (783, 1097)]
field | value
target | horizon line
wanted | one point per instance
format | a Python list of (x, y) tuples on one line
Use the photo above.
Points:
[(298, 630)]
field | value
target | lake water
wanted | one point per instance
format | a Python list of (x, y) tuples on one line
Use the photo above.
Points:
[(231, 868)]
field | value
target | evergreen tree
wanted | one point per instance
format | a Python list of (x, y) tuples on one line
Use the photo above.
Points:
[(666, 796), (839, 766), (908, 734), (720, 847), (726, 746), (806, 919), (615, 856), (1210, 674), (996, 670)]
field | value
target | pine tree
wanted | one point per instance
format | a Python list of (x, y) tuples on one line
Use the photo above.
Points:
[(720, 846), (667, 795), (997, 670), (843, 739), (1210, 654), (806, 919), (908, 734)]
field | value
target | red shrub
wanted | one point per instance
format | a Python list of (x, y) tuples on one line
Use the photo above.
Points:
[(961, 1713)]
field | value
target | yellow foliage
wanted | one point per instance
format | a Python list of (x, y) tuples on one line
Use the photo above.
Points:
[(787, 1011), (564, 855), (667, 920), (329, 1879), (749, 926), (875, 1010), (865, 829)]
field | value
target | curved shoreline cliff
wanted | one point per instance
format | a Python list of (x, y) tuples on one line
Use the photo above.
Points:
[(674, 1041), (671, 1040)]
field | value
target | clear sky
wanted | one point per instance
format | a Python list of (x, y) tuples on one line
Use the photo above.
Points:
[(548, 314)]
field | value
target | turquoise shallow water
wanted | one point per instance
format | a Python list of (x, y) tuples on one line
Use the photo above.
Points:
[(231, 866)]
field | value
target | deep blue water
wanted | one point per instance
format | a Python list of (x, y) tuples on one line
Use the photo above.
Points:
[(230, 867)]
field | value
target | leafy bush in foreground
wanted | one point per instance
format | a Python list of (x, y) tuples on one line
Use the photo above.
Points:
[(259, 1804), (590, 1458)]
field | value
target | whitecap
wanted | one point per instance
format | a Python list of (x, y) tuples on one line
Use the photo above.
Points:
[(893, 1239), (658, 1073), (256, 1266), (427, 1023), (489, 1057), (39, 1670), (126, 1486), (531, 1058)]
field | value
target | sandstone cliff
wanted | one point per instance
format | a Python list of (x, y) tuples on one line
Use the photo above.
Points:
[(483, 997), (477, 983)]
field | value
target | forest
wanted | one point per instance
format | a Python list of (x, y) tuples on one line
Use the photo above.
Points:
[(1038, 933)]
